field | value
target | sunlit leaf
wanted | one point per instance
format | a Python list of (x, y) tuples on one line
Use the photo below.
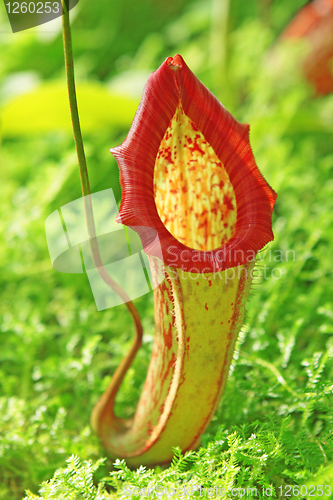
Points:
[(46, 109)]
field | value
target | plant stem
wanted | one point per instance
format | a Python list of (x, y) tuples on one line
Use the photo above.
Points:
[(69, 65)]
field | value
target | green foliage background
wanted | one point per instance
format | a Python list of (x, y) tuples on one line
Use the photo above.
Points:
[(274, 425)]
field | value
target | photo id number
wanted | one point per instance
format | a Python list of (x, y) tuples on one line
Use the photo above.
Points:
[(33, 7)]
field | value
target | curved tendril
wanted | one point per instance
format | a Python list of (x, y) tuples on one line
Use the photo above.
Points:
[(118, 376)]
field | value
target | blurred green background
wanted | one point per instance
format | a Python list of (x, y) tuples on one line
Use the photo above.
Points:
[(57, 351)]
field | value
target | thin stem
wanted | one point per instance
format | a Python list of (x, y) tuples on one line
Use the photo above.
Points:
[(69, 65)]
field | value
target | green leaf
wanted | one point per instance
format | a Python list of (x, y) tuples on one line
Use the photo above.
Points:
[(46, 109)]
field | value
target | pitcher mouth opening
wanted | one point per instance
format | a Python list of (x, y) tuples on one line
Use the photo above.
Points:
[(193, 194), (187, 170)]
